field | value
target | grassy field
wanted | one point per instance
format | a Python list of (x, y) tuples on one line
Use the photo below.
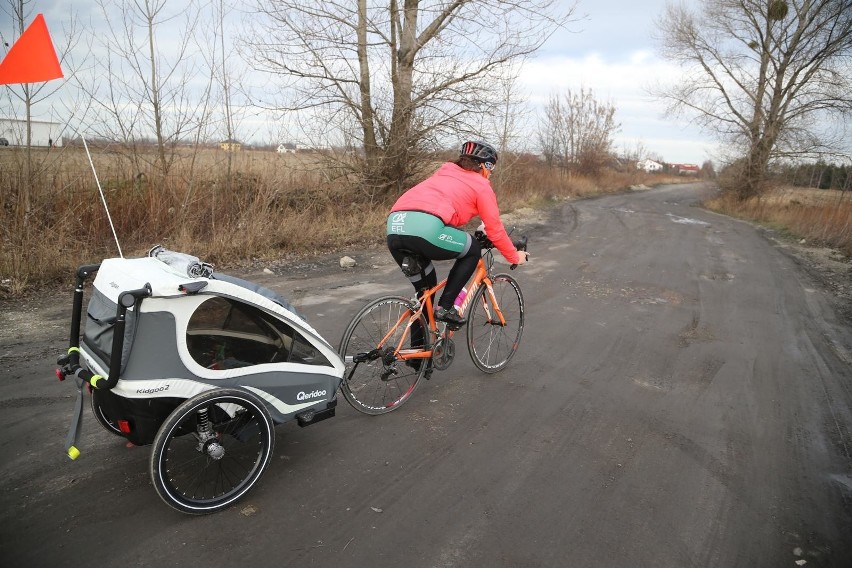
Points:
[(233, 208), (226, 208), (820, 216)]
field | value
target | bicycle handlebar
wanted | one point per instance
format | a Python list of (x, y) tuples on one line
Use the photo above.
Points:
[(485, 243)]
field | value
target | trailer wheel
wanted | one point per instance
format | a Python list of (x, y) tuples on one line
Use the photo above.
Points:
[(212, 450)]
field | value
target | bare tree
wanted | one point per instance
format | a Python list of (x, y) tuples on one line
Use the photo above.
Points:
[(766, 75), (576, 133), (222, 112), (146, 73), (507, 124), (404, 74), (632, 153), (24, 97), (551, 133)]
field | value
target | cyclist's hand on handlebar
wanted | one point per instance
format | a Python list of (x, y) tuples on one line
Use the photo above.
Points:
[(521, 248), (484, 242)]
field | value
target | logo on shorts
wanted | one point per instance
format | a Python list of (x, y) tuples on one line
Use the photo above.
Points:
[(449, 238), (397, 223)]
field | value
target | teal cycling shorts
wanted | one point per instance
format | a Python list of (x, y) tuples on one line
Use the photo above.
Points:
[(430, 228)]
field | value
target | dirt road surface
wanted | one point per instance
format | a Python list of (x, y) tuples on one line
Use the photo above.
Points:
[(682, 397)]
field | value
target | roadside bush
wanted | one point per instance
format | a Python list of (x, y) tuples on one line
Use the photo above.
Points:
[(225, 208), (822, 217)]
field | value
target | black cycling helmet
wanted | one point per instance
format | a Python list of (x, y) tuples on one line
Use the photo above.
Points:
[(479, 151)]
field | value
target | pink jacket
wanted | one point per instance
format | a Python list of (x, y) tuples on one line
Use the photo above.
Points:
[(456, 196)]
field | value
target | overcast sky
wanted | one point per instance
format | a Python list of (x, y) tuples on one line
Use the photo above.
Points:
[(611, 51)]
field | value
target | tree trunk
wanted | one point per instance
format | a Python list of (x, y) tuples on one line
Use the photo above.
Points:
[(29, 181), (372, 152), (226, 94), (396, 158), (155, 99), (756, 168)]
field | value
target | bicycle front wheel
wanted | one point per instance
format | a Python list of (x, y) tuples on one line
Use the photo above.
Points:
[(375, 380), (490, 343)]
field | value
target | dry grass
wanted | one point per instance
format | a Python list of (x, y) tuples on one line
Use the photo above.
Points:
[(821, 216), (262, 205)]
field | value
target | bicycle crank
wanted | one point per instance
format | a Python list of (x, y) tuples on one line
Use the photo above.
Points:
[(443, 353)]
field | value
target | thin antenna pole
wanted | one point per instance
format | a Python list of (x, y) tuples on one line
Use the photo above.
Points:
[(103, 199)]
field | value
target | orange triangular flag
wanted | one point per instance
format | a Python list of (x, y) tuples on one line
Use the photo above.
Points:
[(32, 58)]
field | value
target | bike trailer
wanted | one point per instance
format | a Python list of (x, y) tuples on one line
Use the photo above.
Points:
[(164, 328)]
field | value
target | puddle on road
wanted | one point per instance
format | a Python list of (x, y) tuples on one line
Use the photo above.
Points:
[(686, 220)]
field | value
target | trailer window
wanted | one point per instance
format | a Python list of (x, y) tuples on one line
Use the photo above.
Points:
[(227, 334)]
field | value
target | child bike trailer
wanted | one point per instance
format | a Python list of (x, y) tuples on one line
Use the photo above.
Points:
[(200, 365)]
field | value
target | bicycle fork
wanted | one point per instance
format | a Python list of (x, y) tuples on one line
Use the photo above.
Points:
[(493, 314)]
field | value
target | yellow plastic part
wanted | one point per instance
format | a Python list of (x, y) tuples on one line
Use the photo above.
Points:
[(73, 452)]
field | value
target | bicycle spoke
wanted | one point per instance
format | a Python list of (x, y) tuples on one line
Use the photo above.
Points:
[(492, 345), (379, 382)]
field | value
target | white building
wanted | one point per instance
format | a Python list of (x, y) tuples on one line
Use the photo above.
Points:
[(43, 133), (649, 166)]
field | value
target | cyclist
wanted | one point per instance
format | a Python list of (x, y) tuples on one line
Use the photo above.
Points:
[(425, 221)]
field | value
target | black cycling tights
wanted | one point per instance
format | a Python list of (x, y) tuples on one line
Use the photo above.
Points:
[(401, 246)]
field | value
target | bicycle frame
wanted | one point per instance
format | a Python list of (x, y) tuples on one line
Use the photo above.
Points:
[(481, 276), (389, 336)]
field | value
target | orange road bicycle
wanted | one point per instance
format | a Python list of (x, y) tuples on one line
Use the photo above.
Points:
[(394, 342)]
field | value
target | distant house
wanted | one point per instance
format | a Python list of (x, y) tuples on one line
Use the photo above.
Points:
[(649, 166), (685, 169), (230, 145), (287, 148)]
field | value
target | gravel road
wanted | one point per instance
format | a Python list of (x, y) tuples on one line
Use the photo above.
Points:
[(681, 398)]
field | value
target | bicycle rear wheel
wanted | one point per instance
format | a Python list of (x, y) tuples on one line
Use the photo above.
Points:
[(375, 381), (492, 345)]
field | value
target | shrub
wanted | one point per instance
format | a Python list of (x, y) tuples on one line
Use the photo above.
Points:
[(224, 208)]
